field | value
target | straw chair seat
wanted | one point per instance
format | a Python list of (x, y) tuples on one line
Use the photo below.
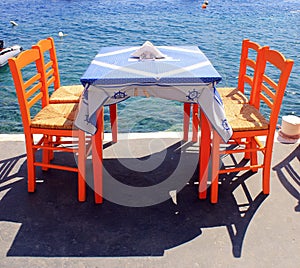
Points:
[(232, 94), (67, 94), (242, 117), (56, 116)]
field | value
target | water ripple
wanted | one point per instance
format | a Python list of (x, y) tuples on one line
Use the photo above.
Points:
[(218, 31)]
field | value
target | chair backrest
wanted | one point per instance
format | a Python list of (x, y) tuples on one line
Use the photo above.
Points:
[(48, 64), (249, 54), (272, 78), (28, 84)]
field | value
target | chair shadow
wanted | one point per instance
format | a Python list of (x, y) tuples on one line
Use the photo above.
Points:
[(55, 224), (288, 176), (245, 208), (7, 175)]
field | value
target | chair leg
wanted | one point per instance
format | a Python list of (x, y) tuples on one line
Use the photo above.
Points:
[(51, 153), (57, 140), (215, 167), (81, 166), (31, 183), (267, 166), (247, 154), (253, 155), (266, 178), (186, 120), (195, 122), (46, 153), (114, 121), (204, 154), (97, 156)]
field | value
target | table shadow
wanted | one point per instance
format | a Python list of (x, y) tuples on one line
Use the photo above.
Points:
[(55, 224)]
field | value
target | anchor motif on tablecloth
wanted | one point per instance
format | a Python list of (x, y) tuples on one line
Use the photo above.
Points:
[(120, 95), (193, 95)]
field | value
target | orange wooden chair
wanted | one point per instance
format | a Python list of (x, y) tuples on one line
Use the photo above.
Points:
[(249, 61), (250, 124), (41, 124), (65, 94)]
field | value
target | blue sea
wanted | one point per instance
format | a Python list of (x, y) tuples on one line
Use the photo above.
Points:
[(89, 24)]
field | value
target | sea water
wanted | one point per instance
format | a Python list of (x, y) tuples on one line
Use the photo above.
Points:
[(88, 25)]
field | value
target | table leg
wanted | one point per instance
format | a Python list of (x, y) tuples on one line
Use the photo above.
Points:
[(81, 166), (97, 156), (186, 120), (215, 167), (114, 121), (204, 154), (195, 122)]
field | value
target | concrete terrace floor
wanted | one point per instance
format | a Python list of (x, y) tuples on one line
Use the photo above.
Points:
[(50, 228)]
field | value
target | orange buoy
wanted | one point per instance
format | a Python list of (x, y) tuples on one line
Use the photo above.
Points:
[(203, 6)]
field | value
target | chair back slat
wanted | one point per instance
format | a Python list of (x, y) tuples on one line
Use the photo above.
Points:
[(49, 70), (49, 76), (32, 80), (251, 63), (50, 81), (248, 80), (267, 95), (49, 64), (33, 89), (270, 82), (35, 99), (267, 100)]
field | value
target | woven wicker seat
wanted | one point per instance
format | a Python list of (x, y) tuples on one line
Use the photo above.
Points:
[(56, 116), (243, 117), (233, 95), (67, 94)]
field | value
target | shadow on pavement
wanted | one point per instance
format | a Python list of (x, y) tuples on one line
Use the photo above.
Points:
[(55, 224)]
